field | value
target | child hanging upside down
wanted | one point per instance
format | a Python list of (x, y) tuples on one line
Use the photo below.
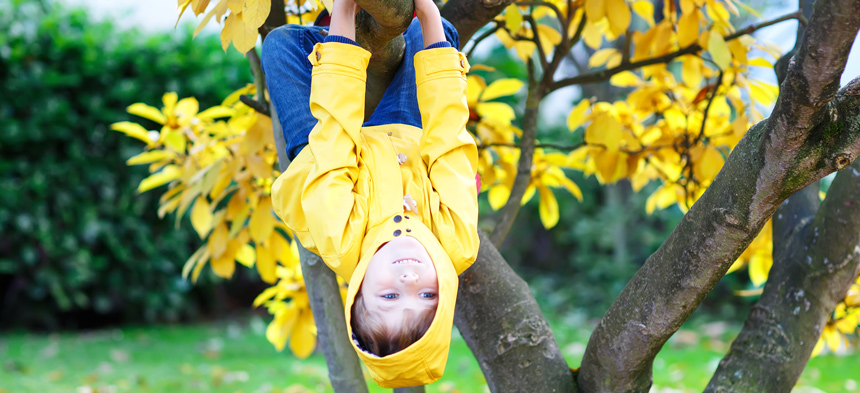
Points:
[(389, 202)]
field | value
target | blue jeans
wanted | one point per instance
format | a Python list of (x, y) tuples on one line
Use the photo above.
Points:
[(288, 75)]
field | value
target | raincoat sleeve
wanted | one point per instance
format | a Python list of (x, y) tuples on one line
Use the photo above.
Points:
[(336, 215), (449, 152)]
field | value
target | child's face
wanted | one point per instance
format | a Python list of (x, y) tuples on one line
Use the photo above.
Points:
[(400, 277)]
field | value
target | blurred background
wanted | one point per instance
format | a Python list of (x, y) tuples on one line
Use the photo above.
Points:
[(91, 295)]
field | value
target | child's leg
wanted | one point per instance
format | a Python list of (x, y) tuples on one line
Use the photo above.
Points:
[(288, 76), (399, 104)]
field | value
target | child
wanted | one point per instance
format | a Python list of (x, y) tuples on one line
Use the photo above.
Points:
[(390, 203)]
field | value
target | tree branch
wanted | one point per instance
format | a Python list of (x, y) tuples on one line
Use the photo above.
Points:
[(802, 290), (608, 73), (482, 37), (469, 16), (508, 213), (759, 174), (502, 324)]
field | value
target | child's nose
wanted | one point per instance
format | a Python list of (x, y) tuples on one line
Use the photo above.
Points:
[(409, 278)]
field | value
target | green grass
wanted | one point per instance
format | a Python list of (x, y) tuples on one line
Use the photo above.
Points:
[(235, 357)]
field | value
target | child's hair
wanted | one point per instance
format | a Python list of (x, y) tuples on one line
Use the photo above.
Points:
[(373, 335)]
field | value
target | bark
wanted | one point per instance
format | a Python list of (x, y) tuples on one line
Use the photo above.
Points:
[(802, 290), (344, 368), (807, 137), (501, 323)]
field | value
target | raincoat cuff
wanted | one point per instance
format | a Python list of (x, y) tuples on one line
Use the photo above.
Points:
[(340, 58), (440, 63)]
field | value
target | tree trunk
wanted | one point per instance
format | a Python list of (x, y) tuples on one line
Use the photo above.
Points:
[(807, 137), (501, 323)]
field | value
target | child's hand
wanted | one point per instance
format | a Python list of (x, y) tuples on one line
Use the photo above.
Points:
[(343, 18), (431, 21)]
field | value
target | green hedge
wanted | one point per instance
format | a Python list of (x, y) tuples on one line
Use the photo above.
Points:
[(78, 246)]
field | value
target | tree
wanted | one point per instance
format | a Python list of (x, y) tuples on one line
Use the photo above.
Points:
[(695, 139)]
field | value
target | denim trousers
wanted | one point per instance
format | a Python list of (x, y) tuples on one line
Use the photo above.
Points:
[(288, 76)]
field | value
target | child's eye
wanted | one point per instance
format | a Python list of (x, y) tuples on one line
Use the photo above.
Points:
[(390, 296), (428, 295)]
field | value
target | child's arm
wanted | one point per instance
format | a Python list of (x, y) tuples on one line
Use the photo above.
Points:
[(336, 215), (447, 149)]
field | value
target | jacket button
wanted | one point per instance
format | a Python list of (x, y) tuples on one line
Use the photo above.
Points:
[(389, 133), (401, 158), (319, 55)]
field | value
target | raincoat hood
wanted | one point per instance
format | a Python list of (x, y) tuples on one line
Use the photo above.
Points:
[(424, 361)]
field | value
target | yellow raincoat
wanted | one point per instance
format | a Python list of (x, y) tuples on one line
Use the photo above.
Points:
[(354, 188)]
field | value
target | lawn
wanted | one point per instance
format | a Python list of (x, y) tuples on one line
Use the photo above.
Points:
[(235, 357)]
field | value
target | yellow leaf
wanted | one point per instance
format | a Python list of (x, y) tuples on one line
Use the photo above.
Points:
[(818, 347), (600, 57), (760, 62), (166, 175), (201, 217), (691, 71), (147, 112), (571, 187), (199, 6), (513, 18), (497, 111), (246, 255), (709, 164), (611, 165), (604, 130), (255, 12), (501, 88), (281, 326), (739, 263), (235, 6), (759, 267), (748, 9), (217, 242), (304, 339), (175, 140), (151, 156), (206, 19), (267, 294), (688, 29), (592, 35), (498, 196), (216, 112), (266, 264), (549, 37), (245, 36), (832, 338), (618, 14), (133, 130), (576, 116), (625, 79), (662, 198), (199, 268), (262, 222), (720, 52), (181, 10), (225, 265), (229, 30), (645, 10), (548, 207), (595, 10), (189, 264)]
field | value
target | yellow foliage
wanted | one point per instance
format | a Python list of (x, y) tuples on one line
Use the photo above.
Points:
[(220, 163)]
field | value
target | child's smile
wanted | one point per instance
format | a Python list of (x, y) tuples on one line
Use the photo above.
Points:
[(400, 277)]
